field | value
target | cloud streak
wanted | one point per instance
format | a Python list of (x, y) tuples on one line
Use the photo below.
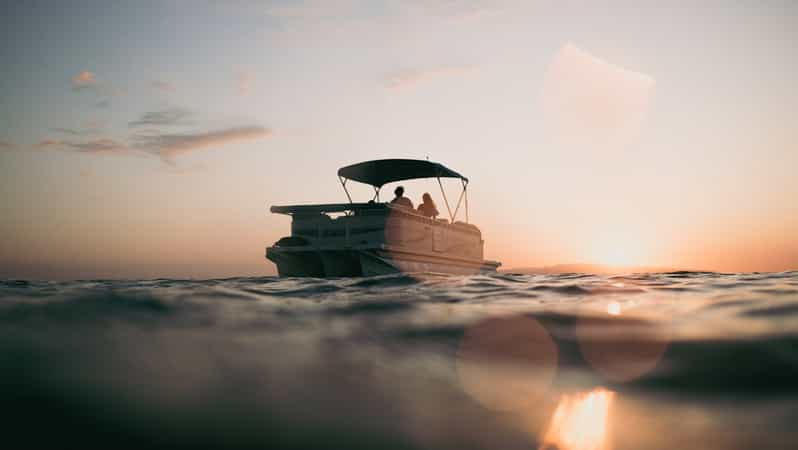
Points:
[(89, 127), (164, 86), (151, 135), (69, 131), (72, 131), (167, 146), (305, 10), (455, 10), (245, 81), (87, 81), (407, 78), (84, 80), (94, 146), (6, 145), (167, 117)]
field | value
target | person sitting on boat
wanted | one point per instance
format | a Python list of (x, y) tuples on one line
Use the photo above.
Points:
[(400, 199), (427, 208)]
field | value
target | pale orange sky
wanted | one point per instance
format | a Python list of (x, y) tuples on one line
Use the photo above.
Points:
[(149, 139)]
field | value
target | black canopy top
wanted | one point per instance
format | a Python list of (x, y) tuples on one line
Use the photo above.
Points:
[(382, 171)]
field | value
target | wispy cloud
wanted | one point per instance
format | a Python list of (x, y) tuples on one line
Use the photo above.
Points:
[(69, 131), (304, 10), (477, 14), (48, 142), (101, 146), (89, 127), (171, 116), (84, 80), (75, 131), (95, 146), (407, 78), (149, 138), (161, 85), (87, 81), (167, 146), (93, 125), (245, 81), (455, 10)]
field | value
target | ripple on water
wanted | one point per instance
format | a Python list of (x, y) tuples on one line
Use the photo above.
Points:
[(422, 361)]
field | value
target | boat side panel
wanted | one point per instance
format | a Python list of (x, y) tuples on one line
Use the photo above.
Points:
[(392, 226), (376, 241)]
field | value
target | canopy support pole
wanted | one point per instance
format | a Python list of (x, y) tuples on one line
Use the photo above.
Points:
[(343, 183), (460, 201), (443, 192), (376, 194), (465, 191)]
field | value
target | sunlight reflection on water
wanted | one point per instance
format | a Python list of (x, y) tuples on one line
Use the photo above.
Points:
[(580, 422)]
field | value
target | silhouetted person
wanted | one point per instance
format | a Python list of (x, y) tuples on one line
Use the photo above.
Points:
[(427, 208), (400, 199)]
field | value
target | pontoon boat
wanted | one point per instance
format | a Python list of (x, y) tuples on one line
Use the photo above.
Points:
[(375, 238)]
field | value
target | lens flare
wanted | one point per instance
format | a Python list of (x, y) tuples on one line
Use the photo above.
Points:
[(507, 363), (589, 101), (580, 422), (621, 348)]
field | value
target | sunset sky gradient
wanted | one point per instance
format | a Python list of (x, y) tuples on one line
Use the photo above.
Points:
[(147, 139)]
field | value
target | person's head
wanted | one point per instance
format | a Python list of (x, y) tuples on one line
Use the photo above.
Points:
[(426, 197), (399, 191)]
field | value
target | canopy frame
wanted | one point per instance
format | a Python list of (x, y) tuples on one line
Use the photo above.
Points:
[(439, 170)]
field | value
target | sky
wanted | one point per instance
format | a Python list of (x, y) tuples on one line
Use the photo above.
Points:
[(148, 139)]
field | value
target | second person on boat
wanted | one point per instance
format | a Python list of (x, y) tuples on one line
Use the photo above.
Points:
[(427, 207)]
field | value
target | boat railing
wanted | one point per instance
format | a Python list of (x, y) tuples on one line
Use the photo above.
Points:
[(324, 208), (361, 219), (357, 209)]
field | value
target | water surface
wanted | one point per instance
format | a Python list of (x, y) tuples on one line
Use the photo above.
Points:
[(674, 360)]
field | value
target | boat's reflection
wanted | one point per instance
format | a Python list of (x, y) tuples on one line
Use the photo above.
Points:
[(580, 422)]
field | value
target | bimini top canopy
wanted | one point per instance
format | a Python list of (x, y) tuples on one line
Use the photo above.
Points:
[(382, 171)]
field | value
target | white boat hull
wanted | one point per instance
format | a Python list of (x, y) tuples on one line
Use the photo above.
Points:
[(375, 239)]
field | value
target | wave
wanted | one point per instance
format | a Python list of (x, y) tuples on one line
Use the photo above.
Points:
[(318, 363)]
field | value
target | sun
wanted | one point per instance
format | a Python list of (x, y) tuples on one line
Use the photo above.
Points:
[(619, 256), (617, 249)]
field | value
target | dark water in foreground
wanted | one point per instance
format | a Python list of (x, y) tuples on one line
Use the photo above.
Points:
[(678, 360)]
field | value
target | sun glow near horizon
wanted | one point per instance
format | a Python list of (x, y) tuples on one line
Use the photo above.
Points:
[(617, 248)]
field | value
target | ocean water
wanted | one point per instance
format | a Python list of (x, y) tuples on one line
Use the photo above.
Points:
[(659, 361)]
